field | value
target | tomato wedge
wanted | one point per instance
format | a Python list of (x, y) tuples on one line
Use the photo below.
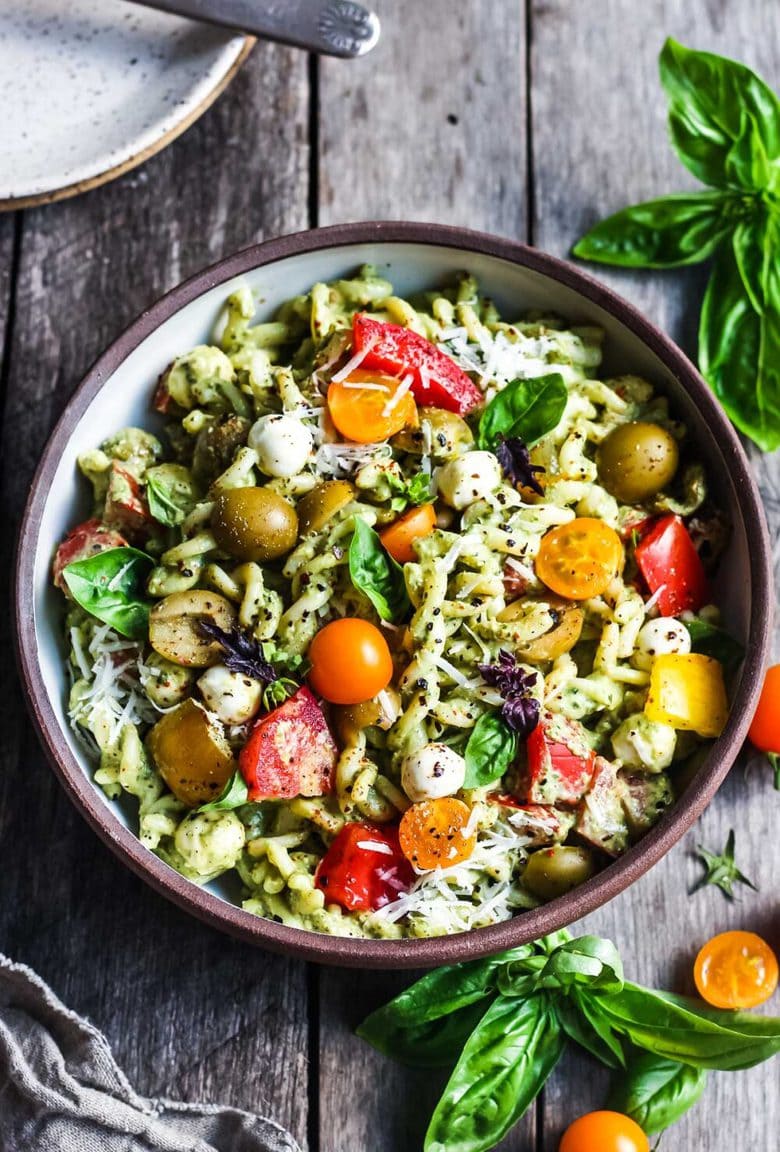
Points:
[(436, 379), (364, 868), (415, 524), (671, 567), (290, 752)]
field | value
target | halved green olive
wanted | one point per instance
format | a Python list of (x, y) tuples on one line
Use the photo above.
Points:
[(449, 435), (192, 754), (561, 638), (320, 505), (552, 872), (380, 712), (254, 524), (174, 627), (637, 460)]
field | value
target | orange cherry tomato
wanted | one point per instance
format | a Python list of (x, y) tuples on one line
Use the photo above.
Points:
[(433, 833), (350, 661), (579, 559), (765, 729), (413, 525), (368, 407), (604, 1132), (736, 970)]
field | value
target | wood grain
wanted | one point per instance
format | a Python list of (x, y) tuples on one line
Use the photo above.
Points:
[(599, 143), (190, 1013)]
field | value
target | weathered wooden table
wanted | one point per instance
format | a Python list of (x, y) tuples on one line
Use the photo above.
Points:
[(528, 119)]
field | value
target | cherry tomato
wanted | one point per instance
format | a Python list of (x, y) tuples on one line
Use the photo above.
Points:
[(350, 661), (433, 833), (736, 970), (579, 559), (765, 728), (413, 525), (604, 1132), (368, 407)]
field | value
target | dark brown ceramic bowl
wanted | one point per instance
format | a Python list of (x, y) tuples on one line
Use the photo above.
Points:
[(116, 392)]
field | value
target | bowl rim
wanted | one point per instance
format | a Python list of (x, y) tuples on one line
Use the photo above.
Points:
[(405, 953)]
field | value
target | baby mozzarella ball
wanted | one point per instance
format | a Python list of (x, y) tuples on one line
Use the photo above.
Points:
[(432, 772), (659, 638), (282, 444), (468, 478), (233, 697)]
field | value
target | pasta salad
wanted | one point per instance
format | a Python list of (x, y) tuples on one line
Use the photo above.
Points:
[(404, 619)]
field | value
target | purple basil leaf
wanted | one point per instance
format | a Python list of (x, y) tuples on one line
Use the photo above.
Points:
[(242, 653), (520, 708), (516, 463)]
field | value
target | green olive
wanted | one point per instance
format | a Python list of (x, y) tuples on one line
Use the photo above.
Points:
[(449, 435), (563, 635), (192, 754), (174, 627), (637, 460), (552, 872), (254, 524), (320, 505)]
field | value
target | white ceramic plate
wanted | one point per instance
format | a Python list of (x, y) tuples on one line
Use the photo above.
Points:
[(90, 88)]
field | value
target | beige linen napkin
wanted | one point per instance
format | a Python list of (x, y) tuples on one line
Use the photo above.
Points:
[(61, 1089)]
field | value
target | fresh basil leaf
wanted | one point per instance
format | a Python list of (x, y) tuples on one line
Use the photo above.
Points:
[(716, 642), (656, 1092), (431, 1044), (502, 1068), (678, 1028), (375, 573), (723, 119), (491, 748), (110, 586), (588, 960), (525, 408), (665, 233), (170, 493), (233, 795), (739, 348), (582, 1023)]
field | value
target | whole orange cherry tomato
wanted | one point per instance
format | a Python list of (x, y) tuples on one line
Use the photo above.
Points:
[(413, 525), (435, 833), (736, 970), (604, 1132), (350, 661), (368, 407), (579, 559), (764, 731)]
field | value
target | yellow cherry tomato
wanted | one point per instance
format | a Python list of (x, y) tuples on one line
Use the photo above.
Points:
[(433, 833), (579, 559), (604, 1132), (413, 525), (350, 661), (368, 407), (736, 970)]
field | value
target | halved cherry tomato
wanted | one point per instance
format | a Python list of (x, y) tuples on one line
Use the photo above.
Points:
[(350, 661), (433, 833), (369, 406), (579, 559), (736, 970), (413, 525), (364, 868), (604, 1132), (764, 732)]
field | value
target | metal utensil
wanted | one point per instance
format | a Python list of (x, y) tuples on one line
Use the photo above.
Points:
[(331, 27)]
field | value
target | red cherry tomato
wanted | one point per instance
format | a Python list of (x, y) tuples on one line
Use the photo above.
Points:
[(765, 729), (350, 661), (604, 1132)]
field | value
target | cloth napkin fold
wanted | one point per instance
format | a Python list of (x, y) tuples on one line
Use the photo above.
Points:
[(62, 1091)]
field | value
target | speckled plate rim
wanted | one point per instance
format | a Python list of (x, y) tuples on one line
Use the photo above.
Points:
[(15, 203), (351, 952)]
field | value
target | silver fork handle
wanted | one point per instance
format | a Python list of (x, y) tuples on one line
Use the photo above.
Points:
[(333, 27)]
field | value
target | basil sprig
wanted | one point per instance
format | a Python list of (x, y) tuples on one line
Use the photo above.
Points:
[(512, 1014), (491, 748), (110, 586), (525, 409), (375, 573), (724, 123)]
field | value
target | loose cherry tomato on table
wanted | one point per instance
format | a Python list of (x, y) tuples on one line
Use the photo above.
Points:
[(350, 661), (764, 732), (736, 970), (401, 535), (369, 406), (435, 833), (604, 1132), (579, 559)]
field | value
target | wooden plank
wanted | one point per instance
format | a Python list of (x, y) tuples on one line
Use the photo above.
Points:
[(599, 143), (190, 1013), (431, 126), (8, 225)]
